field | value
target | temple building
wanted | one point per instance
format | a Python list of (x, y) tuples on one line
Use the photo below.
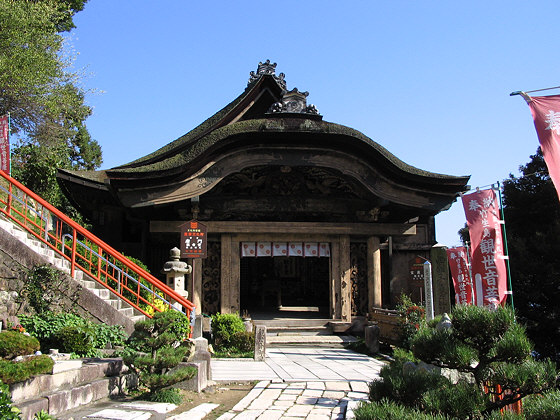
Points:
[(300, 212)]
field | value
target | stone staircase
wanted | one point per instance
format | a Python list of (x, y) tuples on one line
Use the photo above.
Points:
[(304, 331), (73, 384), (107, 307)]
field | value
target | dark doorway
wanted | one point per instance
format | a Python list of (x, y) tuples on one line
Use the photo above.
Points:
[(273, 283)]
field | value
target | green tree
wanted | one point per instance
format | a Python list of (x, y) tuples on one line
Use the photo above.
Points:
[(42, 95), (481, 349), (532, 216)]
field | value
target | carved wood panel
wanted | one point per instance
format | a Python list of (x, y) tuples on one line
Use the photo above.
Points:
[(358, 262), (211, 269)]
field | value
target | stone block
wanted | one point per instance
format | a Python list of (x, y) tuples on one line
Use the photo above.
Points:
[(30, 408), (197, 330), (260, 343), (197, 383), (372, 338)]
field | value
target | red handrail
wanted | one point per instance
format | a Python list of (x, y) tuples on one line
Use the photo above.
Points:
[(98, 259)]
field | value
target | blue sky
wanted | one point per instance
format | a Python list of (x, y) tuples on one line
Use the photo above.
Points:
[(428, 80)]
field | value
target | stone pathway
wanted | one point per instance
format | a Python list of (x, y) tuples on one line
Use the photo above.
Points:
[(316, 400), (295, 382)]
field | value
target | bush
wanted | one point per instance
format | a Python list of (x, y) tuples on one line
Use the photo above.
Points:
[(75, 339), (542, 407), (46, 326), (242, 341), (224, 326), (12, 372), (13, 343), (7, 412), (387, 410), (169, 396), (412, 317)]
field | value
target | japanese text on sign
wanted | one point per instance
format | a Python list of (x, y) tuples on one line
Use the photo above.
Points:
[(193, 240)]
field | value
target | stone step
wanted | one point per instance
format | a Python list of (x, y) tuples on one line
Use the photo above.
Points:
[(309, 340), (89, 371), (70, 399), (292, 322), (298, 331), (104, 294)]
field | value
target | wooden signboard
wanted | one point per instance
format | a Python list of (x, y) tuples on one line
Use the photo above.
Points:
[(193, 240)]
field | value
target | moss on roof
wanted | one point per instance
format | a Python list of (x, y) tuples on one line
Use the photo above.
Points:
[(268, 125)]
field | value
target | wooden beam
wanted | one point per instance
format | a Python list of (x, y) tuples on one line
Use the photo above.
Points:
[(367, 229)]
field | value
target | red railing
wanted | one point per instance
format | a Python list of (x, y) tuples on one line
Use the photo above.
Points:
[(85, 252)]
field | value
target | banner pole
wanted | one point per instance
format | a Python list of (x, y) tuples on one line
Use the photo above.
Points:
[(510, 289), (521, 92)]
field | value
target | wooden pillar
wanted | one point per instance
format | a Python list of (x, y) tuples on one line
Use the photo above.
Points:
[(345, 280), (374, 273), (230, 275), (334, 296), (196, 278)]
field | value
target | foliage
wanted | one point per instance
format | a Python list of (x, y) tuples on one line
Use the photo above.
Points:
[(532, 215), (12, 372), (13, 343), (484, 348), (7, 411), (389, 410), (42, 95), (542, 407), (412, 316), (75, 339), (43, 289), (169, 396), (159, 338), (243, 341), (43, 415), (224, 326), (47, 325)]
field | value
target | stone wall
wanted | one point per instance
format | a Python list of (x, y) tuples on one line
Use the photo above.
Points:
[(16, 259)]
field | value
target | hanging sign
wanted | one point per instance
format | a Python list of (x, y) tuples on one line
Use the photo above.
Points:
[(193, 240), (5, 144)]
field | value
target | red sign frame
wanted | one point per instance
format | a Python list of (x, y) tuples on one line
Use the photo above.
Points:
[(193, 240)]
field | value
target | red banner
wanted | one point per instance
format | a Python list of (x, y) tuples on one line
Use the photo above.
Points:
[(546, 115), (488, 266), (5, 144), (459, 266)]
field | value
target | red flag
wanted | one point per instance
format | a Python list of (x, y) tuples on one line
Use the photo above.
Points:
[(546, 115), (488, 266), (461, 276), (5, 144)]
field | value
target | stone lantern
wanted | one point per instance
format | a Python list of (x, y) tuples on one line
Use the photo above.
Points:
[(175, 271)]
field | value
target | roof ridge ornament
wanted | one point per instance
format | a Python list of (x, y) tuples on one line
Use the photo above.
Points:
[(294, 102), (267, 68)]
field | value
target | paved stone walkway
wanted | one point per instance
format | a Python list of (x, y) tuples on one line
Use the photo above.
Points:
[(300, 364), (310, 400), (295, 382)]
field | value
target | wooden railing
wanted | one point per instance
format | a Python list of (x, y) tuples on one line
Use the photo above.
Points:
[(85, 252)]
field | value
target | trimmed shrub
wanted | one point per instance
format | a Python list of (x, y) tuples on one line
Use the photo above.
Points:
[(12, 372), (242, 341), (160, 352), (13, 343), (224, 326), (75, 339)]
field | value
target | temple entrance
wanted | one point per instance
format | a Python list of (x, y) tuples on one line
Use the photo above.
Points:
[(270, 284)]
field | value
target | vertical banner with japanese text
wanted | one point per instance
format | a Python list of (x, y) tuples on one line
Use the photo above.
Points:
[(488, 267), (546, 115), (459, 266), (5, 144)]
